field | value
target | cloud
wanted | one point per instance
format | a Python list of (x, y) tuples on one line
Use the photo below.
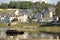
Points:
[(59, 0), (20, 0), (46, 1), (34, 0), (0, 1)]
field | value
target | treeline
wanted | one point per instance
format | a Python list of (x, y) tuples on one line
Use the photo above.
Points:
[(24, 5), (58, 9), (29, 5)]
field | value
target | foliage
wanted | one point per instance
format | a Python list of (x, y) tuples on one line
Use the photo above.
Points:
[(58, 9), (2, 25), (24, 5), (4, 5), (15, 19)]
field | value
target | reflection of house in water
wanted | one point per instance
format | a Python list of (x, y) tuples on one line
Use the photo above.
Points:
[(16, 35), (44, 36)]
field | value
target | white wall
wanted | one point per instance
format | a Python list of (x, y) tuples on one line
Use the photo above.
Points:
[(51, 14), (23, 18), (2, 19)]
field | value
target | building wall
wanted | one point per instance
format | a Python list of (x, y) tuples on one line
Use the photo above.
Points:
[(23, 18), (51, 14), (48, 16), (2, 19)]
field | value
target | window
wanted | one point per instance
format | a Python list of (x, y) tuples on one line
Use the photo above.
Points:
[(42, 14)]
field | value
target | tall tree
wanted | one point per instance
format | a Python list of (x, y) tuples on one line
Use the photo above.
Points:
[(12, 4), (4, 5), (58, 9)]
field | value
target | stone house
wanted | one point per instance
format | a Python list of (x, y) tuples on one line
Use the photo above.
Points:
[(48, 15)]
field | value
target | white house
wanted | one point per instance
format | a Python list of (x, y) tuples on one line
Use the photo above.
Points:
[(20, 14), (23, 14), (23, 18), (3, 17)]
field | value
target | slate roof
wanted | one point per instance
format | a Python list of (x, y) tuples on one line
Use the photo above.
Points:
[(7, 13), (21, 11), (49, 9), (26, 11)]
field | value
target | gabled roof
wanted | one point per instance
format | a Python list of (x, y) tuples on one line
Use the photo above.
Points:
[(25, 11), (49, 9), (6, 12), (52, 9), (12, 12)]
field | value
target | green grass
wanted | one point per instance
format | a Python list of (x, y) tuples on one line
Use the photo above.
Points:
[(3, 25), (55, 29), (23, 25)]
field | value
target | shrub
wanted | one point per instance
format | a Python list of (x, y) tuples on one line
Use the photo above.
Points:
[(15, 19)]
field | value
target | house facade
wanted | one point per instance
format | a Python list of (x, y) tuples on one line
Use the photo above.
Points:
[(3, 18), (23, 18), (21, 15), (48, 15)]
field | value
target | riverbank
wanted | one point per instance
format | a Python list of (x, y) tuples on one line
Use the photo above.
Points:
[(29, 26)]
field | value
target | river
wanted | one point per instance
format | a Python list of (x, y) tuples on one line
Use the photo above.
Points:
[(27, 34)]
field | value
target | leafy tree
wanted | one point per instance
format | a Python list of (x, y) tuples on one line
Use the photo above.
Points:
[(12, 4), (4, 5), (18, 4), (25, 5), (58, 9), (15, 19)]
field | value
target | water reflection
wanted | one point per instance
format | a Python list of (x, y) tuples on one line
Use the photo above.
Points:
[(27, 35)]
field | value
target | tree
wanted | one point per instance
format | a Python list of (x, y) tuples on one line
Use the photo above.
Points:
[(58, 9), (12, 4), (18, 5), (26, 5), (4, 5), (15, 19)]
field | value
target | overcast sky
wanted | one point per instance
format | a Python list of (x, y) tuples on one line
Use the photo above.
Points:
[(46, 1)]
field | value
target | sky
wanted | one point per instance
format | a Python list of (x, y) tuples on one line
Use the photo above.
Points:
[(46, 1)]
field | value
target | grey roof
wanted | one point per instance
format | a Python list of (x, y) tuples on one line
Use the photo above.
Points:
[(6, 14), (37, 16), (50, 9), (21, 11), (25, 11)]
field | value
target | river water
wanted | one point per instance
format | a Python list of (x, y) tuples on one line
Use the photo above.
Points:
[(3, 35)]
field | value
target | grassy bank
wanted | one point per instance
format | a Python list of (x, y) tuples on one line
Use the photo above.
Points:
[(55, 29)]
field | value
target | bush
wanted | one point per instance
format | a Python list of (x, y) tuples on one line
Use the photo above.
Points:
[(15, 19)]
